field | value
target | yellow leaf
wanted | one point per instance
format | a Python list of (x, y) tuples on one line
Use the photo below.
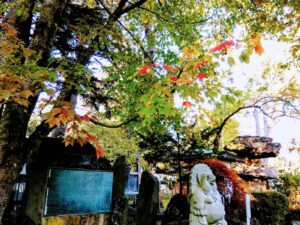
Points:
[(68, 141), (56, 111), (27, 52), (149, 104), (42, 105), (51, 121), (91, 4), (26, 94), (21, 101), (255, 39)]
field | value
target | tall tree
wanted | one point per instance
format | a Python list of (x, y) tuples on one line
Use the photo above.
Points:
[(126, 59)]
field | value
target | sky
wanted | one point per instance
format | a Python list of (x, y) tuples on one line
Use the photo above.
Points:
[(282, 130)]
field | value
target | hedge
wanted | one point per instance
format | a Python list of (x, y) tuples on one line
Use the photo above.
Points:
[(270, 207)]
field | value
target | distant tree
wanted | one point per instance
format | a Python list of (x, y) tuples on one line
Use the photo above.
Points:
[(289, 185)]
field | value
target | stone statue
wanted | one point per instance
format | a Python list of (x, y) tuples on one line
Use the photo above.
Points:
[(206, 206)]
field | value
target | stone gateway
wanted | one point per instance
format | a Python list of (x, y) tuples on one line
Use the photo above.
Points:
[(206, 207)]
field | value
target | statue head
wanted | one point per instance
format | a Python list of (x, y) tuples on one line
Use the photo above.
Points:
[(202, 176)]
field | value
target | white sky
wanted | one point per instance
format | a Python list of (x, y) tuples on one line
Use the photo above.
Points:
[(282, 130)]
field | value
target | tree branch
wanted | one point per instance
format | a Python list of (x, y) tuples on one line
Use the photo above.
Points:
[(259, 104), (133, 6), (141, 46), (114, 125), (173, 22), (218, 130)]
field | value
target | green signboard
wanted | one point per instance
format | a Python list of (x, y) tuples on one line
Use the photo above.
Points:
[(72, 191)]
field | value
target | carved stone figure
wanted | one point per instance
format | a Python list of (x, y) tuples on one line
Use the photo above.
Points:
[(206, 206)]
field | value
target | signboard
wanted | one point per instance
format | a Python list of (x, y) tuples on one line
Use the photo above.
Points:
[(132, 186), (71, 191)]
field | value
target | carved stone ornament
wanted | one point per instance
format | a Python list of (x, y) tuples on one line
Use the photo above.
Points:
[(206, 207)]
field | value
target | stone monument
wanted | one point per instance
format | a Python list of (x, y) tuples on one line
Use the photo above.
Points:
[(206, 207)]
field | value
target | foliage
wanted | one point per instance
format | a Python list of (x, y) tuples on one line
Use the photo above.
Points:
[(231, 187), (270, 208), (116, 142), (177, 211), (289, 184), (132, 45), (293, 215)]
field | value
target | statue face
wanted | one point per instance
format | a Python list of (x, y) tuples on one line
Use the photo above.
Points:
[(212, 181), (207, 182)]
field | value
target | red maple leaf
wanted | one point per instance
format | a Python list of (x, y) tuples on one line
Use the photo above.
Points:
[(168, 67), (186, 104), (143, 71), (99, 151), (201, 64), (201, 76), (94, 117), (173, 78), (86, 118), (220, 47)]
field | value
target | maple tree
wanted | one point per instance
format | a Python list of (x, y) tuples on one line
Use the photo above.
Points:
[(126, 59), (232, 188)]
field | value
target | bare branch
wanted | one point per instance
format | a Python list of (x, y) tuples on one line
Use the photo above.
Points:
[(259, 104), (141, 46), (133, 6), (172, 22), (121, 9), (114, 125)]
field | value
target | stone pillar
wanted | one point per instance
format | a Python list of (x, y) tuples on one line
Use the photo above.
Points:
[(148, 200), (119, 201)]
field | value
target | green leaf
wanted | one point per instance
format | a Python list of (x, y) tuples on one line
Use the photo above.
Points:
[(245, 57), (231, 61)]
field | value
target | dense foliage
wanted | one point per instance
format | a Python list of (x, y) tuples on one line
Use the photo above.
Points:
[(232, 188), (270, 208), (293, 215), (289, 185)]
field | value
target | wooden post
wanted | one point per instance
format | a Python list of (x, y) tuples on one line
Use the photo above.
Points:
[(248, 209)]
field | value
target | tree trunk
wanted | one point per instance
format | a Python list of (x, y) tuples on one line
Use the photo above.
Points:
[(13, 126), (14, 119)]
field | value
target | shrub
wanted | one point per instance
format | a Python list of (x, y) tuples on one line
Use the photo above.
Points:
[(177, 212), (232, 188), (289, 185), (270, 207), (292, 215)]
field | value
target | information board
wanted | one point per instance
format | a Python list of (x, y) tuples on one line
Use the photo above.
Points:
[(132, 187), (72, 191)]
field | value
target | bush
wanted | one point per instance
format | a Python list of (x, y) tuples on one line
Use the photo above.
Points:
[(288, 184), (292, 215), (177, 212), (232, 188), (270, 207)]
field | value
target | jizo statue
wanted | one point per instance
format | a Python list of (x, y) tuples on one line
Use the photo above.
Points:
[(206, 207)]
